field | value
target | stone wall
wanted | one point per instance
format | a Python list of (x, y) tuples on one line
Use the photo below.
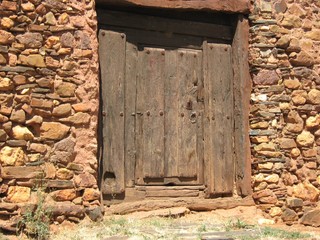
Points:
[(48, 105), (284, 117)]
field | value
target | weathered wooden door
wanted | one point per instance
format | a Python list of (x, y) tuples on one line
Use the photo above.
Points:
[(167, 103)]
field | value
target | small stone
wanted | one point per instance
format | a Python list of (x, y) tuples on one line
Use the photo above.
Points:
[(12, 156), (94, 213), (67, 40), (265, 147), (7, 23), (306, 191), (30, 39), (292, 84), (283, 42), (37, 147), (6, 37), (261, 186), (314, 34), (265, 166), (302, 59), (86, 180), (260, 139), (22, 133), (78, 119), (309, 152), (49, 170), (28, 7), (53, 130), (289, 215), (75, 167), (52, 41), (77, 201), (273, 178), (66, 89), (305, 139), (259, 125), (311, 218), (287, 143), (314, 96), (3, 135), (275, 211), (62, 110), (81, 107), (64, 195), (259, 177), (35, 120), (17, 194), (313, 121), (19, 79), (64, 174), (41, 103), (266, 77), (63, 19), (3, 118), (294, 202), (291, 21), (280, 6), (34, 60), (311, 165), (6, 84), (18, 116), (50, 19), (91, 194)]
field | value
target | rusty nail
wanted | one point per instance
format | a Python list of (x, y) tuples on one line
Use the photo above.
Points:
[(195, 55), (226, 49), (182, 114), (148, 51), (212, 118), (161, 113), (122, 35), (228, 117), (133, 114), (148, 113), (103, 33), (181, 54), (162, 53), (104, 113), (121, 114), (211, 47)]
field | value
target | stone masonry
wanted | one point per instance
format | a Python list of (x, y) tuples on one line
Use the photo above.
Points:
[(49, 100), (284, 116), (48, 105)]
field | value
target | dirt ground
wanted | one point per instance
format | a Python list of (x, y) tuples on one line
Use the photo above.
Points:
[(179, 223)]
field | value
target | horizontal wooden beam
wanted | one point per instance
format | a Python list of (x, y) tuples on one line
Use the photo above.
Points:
[(232, 6)]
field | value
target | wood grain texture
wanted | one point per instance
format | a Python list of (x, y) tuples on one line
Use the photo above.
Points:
[(218, 150), (150, 101), (162, 24), (242, 91), (130, 112), (239, 6), (112, 63)]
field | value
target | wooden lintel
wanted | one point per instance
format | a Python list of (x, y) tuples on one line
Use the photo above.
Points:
[(231, 6)]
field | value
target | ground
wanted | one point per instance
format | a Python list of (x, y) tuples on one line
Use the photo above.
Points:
[(179, 223)]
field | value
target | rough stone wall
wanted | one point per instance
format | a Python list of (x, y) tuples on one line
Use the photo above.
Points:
[(48, 105), (284, 117)]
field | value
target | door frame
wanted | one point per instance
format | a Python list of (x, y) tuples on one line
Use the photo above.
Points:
[(242, 91)]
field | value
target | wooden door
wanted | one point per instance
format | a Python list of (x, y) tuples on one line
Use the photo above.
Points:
[(167, 104)]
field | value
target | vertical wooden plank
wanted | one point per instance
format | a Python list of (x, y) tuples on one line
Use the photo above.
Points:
[(218, 82), (150, 104), (112, 64), (171, 114), (242, 91), (189, 73), (130, 111)]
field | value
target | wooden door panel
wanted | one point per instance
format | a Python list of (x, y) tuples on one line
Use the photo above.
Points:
[(112, 54), (218, 85), (189, 73), (150, 121)]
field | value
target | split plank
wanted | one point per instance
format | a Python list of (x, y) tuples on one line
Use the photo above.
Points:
[(112, 61), (130, 111), (150, 102), (218, 80), (242, 91)]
